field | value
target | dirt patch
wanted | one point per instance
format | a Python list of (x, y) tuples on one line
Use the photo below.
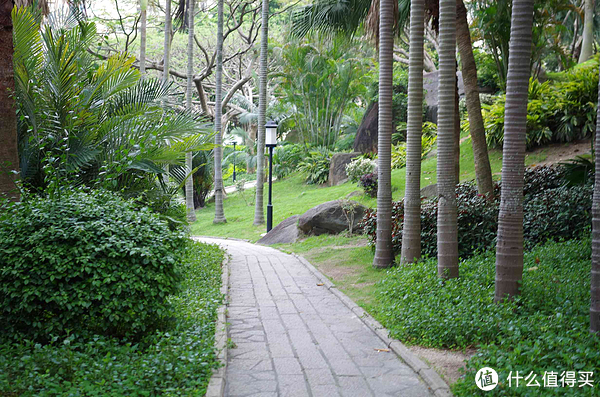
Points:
[(447, 363), (331, 267), (557, 152)]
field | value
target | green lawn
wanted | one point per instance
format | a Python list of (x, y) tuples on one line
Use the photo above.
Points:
[(292, 196)]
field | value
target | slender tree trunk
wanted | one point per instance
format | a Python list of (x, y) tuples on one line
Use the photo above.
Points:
[(167, 43), (483, 170), (595, 284), (509, 249), (9, 153), (447, 240), (384, 254), (411, 232), (456, 134), (259, 209), (143, 17), (587, 46), (219, 214), (189, 183)]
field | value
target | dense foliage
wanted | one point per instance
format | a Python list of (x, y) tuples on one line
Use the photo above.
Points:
[(177, 361), (359, 167), (562, 110), (369, 184), (85, 263), (552, 211), (315, 166), (544, 329)]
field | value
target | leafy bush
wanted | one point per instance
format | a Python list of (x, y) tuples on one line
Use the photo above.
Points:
[(552, 211), (359, 167), (559, 111), (86, 262), (178, 362), (545, 329), (369, 184), (316, 166), (286, 159)]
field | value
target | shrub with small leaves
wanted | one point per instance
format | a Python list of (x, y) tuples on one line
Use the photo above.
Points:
[(369, 184), (358, 167), (91, 263)]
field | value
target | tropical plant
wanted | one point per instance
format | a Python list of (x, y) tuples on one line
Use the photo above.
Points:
[(87, 121), (509, 249), (189, 183), (369, 184), (218, 152), (322, 79), (316, 166), (286, 159)]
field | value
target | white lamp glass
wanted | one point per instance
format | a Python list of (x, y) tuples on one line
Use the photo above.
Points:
[(271, 133)]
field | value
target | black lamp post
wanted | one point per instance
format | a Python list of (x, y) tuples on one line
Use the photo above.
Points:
[(234, 156), (270, 142)]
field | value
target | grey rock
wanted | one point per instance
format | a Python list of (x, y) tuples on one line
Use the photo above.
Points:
[(337, 168), (366, 136), (284, 233), (429, 191), (354, 194), (328, 218)]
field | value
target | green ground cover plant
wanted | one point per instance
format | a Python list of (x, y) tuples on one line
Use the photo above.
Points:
[(174, 361), (544, 329)]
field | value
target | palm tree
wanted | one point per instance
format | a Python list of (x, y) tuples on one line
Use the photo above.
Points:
[(411, 232), (9, 154), (259, 210), (384, 254), (189, 183), (218, 151), (587, 46), (143, 15), (483, 170), (446, 222), (509, 249), (595, 284)]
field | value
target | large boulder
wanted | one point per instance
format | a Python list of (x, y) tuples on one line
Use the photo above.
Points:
[(337, 168), (366, 136), (429, 191), (329, 218), (284, 233)]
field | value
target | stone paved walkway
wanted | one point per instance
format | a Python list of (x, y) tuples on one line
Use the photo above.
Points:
[(296, 338)]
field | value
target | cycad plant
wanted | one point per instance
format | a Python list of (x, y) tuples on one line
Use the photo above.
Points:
[(82, 120)]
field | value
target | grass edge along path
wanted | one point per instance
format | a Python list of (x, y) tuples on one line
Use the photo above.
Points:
[(175, 362)]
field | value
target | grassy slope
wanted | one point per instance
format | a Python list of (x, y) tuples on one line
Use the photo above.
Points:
[(291, 196)]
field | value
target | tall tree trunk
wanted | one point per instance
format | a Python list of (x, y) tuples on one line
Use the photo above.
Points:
[(411, 232), (143, 17), (509, 249), (595, 284), (587, 46), (447, 240), (259, 209), (167, 43), (9, 153), (384, 254), (483, 170), (219, 214), (189, 183), (456, 133)]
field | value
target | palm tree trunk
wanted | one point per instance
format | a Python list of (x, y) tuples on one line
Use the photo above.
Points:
[(595, 284), (219, 214), (384, 254), (9, 153), (259, 209), (587, 46), (167, 43), (447, 240), (456, 134), (189, 183), (483, 170), (143, 17), (509, 249), (411, 232)]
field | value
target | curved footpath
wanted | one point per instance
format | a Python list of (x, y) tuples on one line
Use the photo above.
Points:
[(295, 337)]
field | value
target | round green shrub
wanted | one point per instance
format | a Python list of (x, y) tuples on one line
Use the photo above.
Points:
[(87, 263)]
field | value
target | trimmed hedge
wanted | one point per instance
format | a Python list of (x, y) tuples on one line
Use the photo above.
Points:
[(90, 263)]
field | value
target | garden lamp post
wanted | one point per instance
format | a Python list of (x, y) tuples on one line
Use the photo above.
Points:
[(234, 156), (270, 142)]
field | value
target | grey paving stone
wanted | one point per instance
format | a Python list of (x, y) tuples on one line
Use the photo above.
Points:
[(296, 338)]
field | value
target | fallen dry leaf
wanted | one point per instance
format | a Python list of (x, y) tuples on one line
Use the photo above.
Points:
[(382, 350), (319, 284)]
